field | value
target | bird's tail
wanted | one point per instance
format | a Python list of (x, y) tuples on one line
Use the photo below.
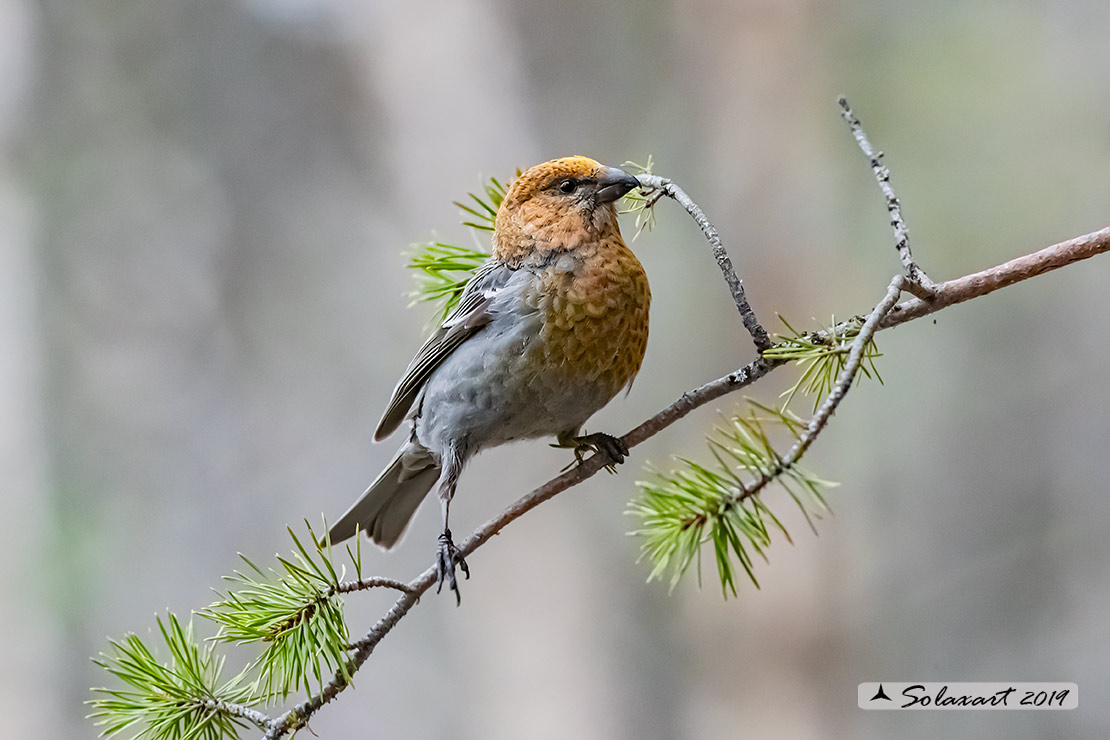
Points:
[(387, 506)]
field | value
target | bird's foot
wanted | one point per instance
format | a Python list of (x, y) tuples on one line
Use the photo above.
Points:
[(607, 445), (447, 558)]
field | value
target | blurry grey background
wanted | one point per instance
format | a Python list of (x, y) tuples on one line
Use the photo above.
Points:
[(202, 212)]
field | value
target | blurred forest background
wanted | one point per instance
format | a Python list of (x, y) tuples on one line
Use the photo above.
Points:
[(203, 208)]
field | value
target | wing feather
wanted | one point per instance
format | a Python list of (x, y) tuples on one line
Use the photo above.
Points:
[(468, 317)]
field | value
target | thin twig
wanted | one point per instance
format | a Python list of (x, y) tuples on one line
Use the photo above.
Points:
[(254, 716), (298, 717), (948, 293), (848, 373), (366, 583), (839, 390), (747, 315), (919, 283)]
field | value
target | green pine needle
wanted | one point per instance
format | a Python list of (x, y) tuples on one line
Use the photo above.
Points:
[(295, 611), (821, 356), (694, 504), (635, 202), (721, 503), (177, 700), (442, 271), (484, 207)]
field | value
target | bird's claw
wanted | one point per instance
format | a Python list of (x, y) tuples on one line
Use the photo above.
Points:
[(611, 447), (447, 558)]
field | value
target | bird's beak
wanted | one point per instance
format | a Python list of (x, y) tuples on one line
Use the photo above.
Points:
[(614, 185)]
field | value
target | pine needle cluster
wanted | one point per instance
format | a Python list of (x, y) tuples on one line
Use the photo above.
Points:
[(442, 269), (720, 503), (294, 611), (821, 355), (638, 203), (179, 699)]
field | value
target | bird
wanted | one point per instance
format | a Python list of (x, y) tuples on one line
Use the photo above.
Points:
[(546, 332)]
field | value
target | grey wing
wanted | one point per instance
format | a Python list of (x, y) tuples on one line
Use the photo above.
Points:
[(469, 316)]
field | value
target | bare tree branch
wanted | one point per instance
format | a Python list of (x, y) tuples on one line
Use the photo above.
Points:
[(366, 583), (919, 283), (839, 390), (735, 286), (238, 710), (1021, 268), (885, 315), (298, 717), (848, 373)]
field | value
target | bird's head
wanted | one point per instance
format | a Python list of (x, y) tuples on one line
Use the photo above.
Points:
[(560, 205)]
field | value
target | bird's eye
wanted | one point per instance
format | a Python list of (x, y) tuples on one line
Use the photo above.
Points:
[(568, 186)]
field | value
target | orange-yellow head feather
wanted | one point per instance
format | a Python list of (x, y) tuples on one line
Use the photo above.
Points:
[(559, 205)]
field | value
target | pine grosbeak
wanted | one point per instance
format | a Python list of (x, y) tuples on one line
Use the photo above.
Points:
[(546, 332)]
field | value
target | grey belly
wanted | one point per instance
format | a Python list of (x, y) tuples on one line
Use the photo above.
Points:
[(489, 392)]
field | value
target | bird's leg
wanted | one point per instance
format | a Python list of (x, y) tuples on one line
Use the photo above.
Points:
[(447, 554), (611, 447)]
